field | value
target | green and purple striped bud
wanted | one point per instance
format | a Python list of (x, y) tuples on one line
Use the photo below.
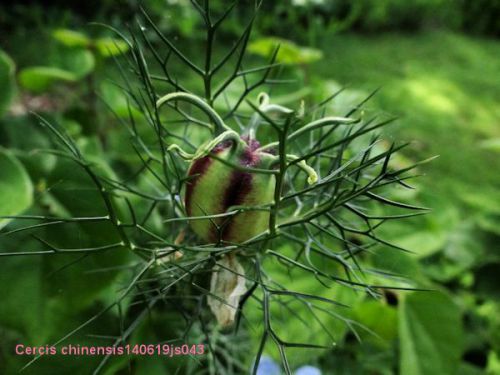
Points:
[(217, 184), (231, 171)]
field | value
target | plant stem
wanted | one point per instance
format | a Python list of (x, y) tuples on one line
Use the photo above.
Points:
[(279, 177)]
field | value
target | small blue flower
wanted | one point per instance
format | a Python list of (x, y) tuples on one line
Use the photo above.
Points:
[(308, 370), (268, 367)]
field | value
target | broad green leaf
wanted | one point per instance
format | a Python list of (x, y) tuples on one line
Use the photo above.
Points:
[(78, 61), (71, 38), (108, 47), (381, 331), (16, 189), (41, 78), (7, 81), (430, 332), (15, 130), (70, 65), (289, 52)]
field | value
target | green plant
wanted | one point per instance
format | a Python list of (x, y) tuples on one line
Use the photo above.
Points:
[(7, 81), (132, 216), (76, 60)]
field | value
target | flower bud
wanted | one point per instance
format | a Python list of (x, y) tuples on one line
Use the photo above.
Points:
[(219, 181)]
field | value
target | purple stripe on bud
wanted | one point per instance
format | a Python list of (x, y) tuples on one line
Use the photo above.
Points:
[(198, 168)]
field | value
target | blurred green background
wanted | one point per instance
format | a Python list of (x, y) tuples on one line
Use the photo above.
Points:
[(437, 65)]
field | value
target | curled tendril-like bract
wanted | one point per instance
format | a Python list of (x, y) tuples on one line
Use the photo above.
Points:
[(265, 107)]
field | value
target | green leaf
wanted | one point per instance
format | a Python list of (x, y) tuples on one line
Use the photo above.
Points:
[(14, 133), (382, 331), (41, 78), (431, 336), (108, 47), (7, 81), (16, 189), (71, 38), (68, 65), (289, 52), (78, 61)]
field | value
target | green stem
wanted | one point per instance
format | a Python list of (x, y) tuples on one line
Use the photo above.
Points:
[(220, 126), (279, 178), (208, 146), (327, 121), (313, 176), (207, 77), (265, 108)]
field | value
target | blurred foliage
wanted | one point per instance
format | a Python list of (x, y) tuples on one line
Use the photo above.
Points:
[(289, 52), (73, 60), (306, 19), (439, 83), (7, 81), (16, 190), (442, 84), (430, 341)]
